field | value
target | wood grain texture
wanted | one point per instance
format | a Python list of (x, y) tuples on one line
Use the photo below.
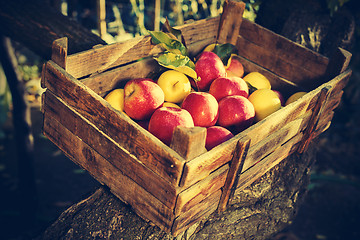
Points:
[(123, 187), (147, 148), (110, 150)]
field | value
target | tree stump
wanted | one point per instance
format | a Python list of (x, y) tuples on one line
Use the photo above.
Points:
[(264, 208)]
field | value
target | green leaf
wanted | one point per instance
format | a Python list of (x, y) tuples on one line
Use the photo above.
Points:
[(174, 33), (178, 62), (224, 51), (168, 43)]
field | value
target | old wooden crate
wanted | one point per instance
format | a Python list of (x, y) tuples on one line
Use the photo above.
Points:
[(176, 186)]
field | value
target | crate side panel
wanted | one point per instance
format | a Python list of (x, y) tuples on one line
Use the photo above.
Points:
[(280, 55), (145, 204), (195, 214), (196, 193), (110, 150), (271, 142), (259, 169), (143, 145), (116, 78), (281, 84), (197, 35)]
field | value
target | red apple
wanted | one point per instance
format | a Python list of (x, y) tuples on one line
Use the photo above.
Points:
[(236, 112), (228, 86), (234, 68), (203, 108), (164, 121), (208, 67), (216, 135), (142, 97)]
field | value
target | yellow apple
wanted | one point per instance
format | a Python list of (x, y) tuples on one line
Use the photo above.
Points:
[(170, 104), (257, 80), (116, 99), (176, 85), (265, 102), (294, 97)]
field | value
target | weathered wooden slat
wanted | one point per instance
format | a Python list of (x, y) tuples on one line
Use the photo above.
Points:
[(59, 52), (189, 142), (127, 190), (277, 83), (267, 163), (284, 49), (202, 210), (271, 142), (110, 150), (236, 166), (116, 78), (113, 55), (190, 197), (230, 22), (339, 62), (323, 97), (147, 148), (269, 59)]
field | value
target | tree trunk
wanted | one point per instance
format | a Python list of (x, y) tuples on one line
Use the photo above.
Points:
[(36, 25), (257, 212)]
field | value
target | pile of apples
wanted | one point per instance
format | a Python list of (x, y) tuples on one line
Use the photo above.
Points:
[(225, 102)]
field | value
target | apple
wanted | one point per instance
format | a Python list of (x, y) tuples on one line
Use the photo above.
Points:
[(203, 108), (236, 113), (294, 97), (116, 99), (257, 80), (164, 121), (234, 67), (228, 86), (265, 102), (142, 97), (176, 85), (281, 97), (216, 135), (208, 67)]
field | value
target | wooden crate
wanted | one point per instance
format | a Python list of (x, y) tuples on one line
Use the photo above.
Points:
[(174, 187)]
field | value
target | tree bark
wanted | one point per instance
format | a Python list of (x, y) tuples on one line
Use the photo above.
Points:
[(36, 25), (257, 212), (23, 133)]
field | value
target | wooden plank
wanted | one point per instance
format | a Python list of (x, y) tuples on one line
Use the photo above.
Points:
[(258, 170), (59, 52), (195, 214), (323, 97), (230, 22), (277, 83), (110, 150), (271, 142), (190, 197), (272, 60), (143, 145), (284, 48), (236, 166), (102, 83), (189, 142), (339, 62), (197, 35), (144, 203)]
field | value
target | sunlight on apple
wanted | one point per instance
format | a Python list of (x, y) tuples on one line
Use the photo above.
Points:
[(176, 85), (265, 102), (257, 80), (116, 99)]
